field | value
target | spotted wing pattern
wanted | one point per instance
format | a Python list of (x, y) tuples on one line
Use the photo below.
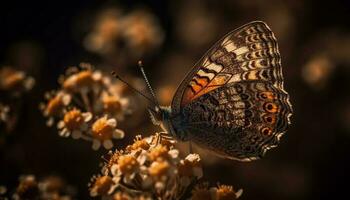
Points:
[(247, 53), (238, 120), (233, 101)]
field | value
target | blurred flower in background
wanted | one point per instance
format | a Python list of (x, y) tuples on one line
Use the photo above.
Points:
[(124, 37), (317, 70), (13, 85), (86, 107), (29, 187)]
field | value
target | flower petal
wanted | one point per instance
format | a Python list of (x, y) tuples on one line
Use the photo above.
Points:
[(107, 144), (60, 124), (96, 144), (87, 116), (112, 122), (239, 193), (64, 133), (118, 134), (49, 122), (66, 99), (174, 153), (76, 134)]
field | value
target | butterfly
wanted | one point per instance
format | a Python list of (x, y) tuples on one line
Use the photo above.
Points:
[(232, 102)]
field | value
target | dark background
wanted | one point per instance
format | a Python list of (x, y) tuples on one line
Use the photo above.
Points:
[(312, 160)]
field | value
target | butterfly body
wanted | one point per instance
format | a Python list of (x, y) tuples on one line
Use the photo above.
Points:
[(232, 102)]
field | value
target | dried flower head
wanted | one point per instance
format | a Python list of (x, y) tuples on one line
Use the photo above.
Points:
[(85, 107)]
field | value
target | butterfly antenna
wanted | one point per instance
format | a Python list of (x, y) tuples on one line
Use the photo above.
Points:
[(135, 90), (148, 84)]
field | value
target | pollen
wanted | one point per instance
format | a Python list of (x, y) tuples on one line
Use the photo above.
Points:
[(102, 129), (102, 185), (54, 106), (111, 104), (139, 144), (73, 119), (225, 192), (127, 164), (159, 168), (81, 79), (11, 79), (159, 152)]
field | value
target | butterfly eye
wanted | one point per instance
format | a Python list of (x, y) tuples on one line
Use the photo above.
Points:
[(271, 107), (266, 131)]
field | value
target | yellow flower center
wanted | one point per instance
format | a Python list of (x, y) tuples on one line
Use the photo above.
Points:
[(139, 144), (159, 168), (111, 104), (102, 130), (73, 119), (159, 152), (225, 192), (127, 164), (103, 184), (11, 79), (81, 79), (108, 28), (54, 106), (28, 188), (84, 78)]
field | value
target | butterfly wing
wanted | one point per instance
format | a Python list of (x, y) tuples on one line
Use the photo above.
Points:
[(236, 91)]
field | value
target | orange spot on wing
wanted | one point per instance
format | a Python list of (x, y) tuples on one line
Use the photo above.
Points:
[(204, 91), (267, 95), (271, 107), (186, 98), (201, 81), (202, 87), (195, 87)]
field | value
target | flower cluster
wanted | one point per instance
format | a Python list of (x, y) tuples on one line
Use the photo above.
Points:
[(151, 168), (51, 187), (85, 107), (15, 81), (132, 34), (13, 84)]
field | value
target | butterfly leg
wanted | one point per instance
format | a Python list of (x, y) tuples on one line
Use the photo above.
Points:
[(163, 136)]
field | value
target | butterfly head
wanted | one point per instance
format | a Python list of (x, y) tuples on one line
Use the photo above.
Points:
[(159, 114)]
